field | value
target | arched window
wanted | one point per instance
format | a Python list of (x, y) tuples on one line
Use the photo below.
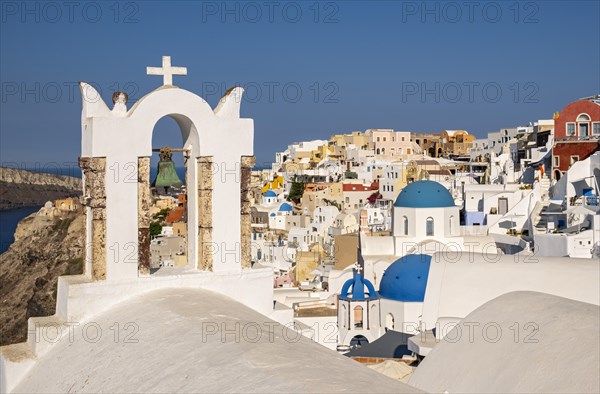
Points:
[(372, 316), (583, 118), (389, 322), (583, 125), (451, 225), (344, 316), (378, 151), (358, 317), (429, 226), (405, 225)]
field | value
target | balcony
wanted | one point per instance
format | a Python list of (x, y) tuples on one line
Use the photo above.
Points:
[(577, 138)]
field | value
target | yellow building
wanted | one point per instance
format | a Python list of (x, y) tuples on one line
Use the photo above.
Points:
[(457, 142), (180, 229), (306, 262), (67, 204), (318, 194), (346, 247), (356, 138), (319, 154), (276, 183)]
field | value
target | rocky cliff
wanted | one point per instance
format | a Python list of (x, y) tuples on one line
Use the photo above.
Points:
[(20, 188), (47, 244)]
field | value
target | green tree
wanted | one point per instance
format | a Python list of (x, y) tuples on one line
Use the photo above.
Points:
[(296, 191), (155, 228), (351, 175)]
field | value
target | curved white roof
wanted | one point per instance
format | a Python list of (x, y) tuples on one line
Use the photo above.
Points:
[(173, 340), (533, 343)]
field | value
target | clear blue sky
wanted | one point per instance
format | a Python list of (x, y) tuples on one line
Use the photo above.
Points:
[(356, 65)]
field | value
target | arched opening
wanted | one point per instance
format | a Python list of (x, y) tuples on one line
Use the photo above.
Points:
[(429, 227), (389, 322), (372, 316), (378, 151), (583, 125), (557, 174), (451, 225), (358, 317), (358, 341), (169, 212), (405, 225), (344, 315)]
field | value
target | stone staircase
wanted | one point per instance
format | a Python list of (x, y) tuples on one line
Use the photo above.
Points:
[(545, 185), (539, 220)]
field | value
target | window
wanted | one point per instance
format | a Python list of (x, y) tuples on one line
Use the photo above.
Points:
[(358, 316), (405, 225), (574, 159), (429, 227), (377, 139), (389, 322), (451, 225), (556, 161), (584, 129), (596, 128), (570, 129), (583, 118)]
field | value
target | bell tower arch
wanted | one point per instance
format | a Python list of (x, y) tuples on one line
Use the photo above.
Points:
[(116, 147)]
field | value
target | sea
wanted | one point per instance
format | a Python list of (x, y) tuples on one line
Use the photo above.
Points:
[(8, 224)]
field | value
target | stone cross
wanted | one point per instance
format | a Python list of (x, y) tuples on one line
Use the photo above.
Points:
[(167, 71)]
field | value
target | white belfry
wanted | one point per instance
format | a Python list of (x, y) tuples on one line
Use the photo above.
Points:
[(167, 71)]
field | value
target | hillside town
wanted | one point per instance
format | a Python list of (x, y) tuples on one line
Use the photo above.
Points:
[(372, 253), (334, 219)]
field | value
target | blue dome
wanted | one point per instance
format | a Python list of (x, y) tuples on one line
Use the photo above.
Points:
[(270, 193), (285, 207), (354, 289), (424, 194), (406, 279)]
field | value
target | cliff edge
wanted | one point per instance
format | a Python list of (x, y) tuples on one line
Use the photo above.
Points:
[(48, 244), (21, 188)]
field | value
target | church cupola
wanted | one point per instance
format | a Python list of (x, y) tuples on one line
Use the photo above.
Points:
[(358, 311)]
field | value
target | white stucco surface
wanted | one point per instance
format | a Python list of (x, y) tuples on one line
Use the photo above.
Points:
[(535, 342), (124, 137), (192, 340), (457, 285)]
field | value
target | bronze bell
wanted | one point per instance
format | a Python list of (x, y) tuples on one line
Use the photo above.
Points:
[(167, 175)]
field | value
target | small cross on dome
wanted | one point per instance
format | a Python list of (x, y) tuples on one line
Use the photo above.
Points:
[(167, 71)]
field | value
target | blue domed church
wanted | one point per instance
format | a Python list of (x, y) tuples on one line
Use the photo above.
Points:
[(358, 310), (425, 210), (368, 314), (425, 220)]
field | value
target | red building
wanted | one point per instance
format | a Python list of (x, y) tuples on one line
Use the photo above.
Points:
[(576, 134)]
